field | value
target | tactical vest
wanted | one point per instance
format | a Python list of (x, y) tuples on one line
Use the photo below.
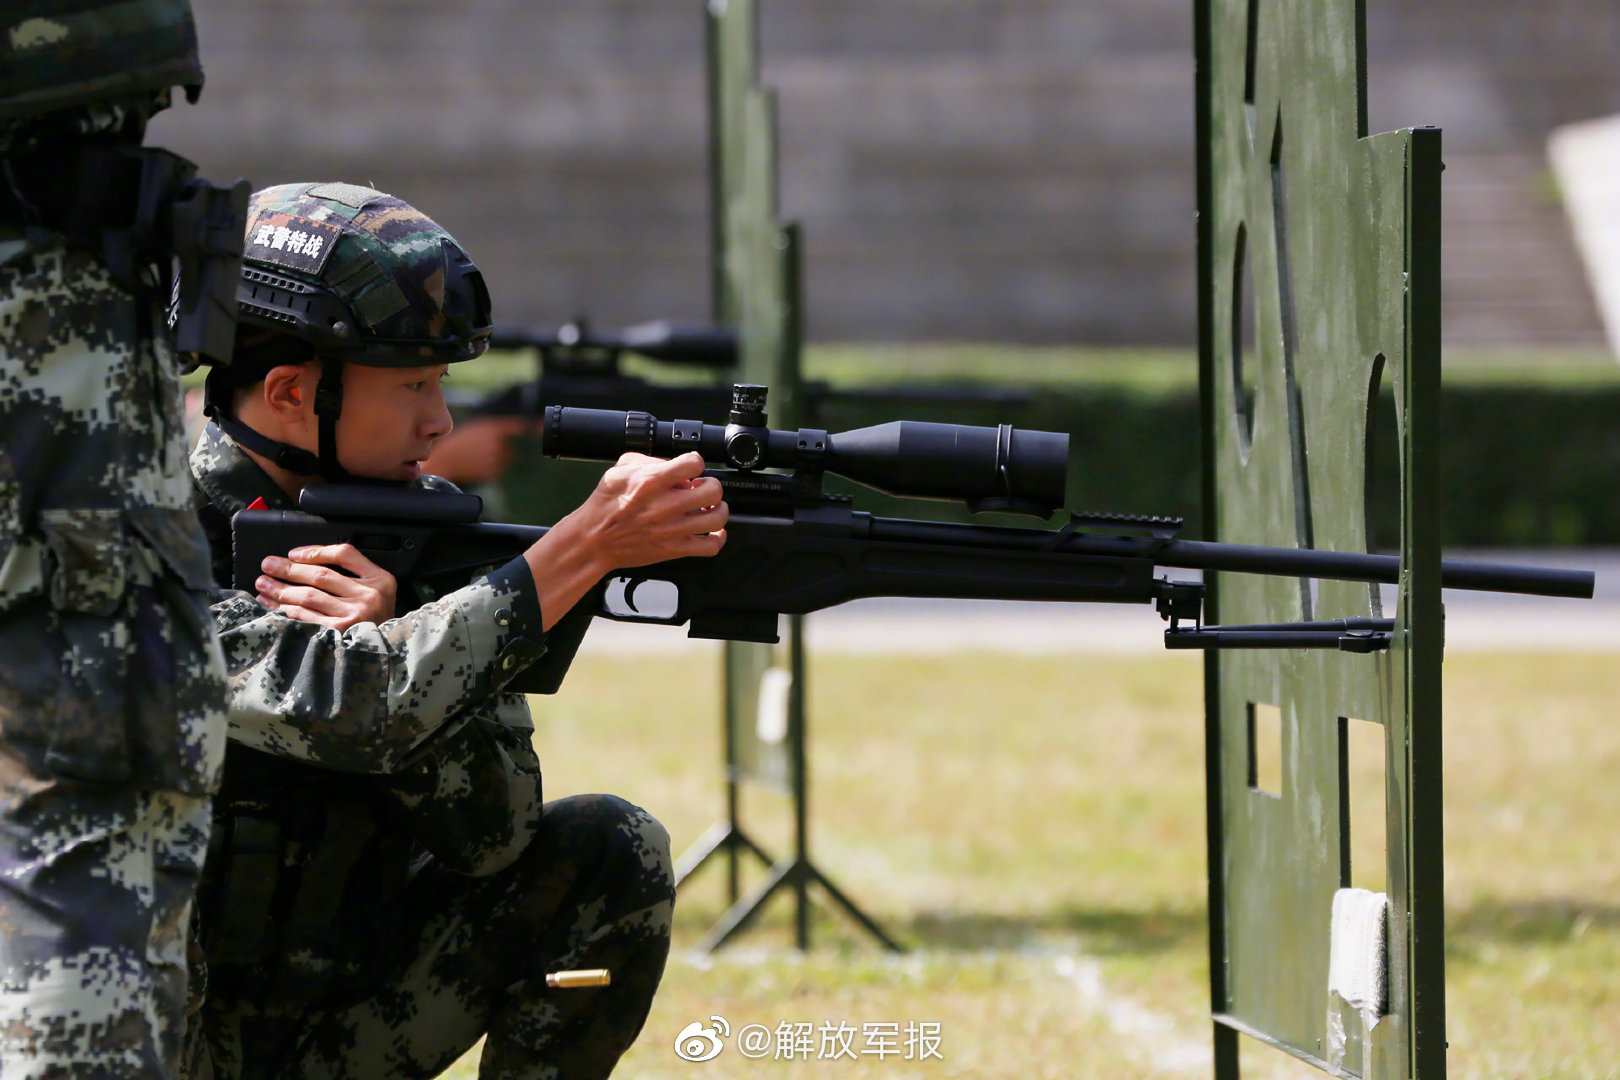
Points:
[(302, 894), (302, 897), (163, 233)]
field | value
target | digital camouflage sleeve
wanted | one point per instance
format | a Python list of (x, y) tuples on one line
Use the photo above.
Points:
[(111, 683)]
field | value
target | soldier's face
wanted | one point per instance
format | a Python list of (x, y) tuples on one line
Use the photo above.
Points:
[(391, 418)]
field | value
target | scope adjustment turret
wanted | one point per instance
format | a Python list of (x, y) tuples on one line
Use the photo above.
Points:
[(746, 434)]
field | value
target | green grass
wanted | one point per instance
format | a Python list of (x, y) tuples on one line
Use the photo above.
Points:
[(1025, 823), (1529, 367), (1158, 370), (1143, 370)]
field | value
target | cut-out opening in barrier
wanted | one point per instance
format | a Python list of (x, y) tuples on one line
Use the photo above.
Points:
[(1244, 360), (1265, 748), (1363, 806)]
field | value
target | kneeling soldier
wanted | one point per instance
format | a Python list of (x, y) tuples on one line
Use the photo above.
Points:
[(385, 886)]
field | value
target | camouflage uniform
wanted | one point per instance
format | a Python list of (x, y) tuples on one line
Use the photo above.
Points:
[(111, 685), (407, 722)]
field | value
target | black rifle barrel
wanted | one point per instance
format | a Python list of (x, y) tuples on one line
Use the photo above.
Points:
[(1250, 558), (1384, 569), (666, 340)]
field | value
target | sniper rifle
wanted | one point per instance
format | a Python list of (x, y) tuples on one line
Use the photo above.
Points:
[(792, 549)]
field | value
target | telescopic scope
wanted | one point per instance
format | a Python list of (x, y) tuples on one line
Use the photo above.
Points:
[(989, 468)]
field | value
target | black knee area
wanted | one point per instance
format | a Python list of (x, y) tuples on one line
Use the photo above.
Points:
[(622, 837)]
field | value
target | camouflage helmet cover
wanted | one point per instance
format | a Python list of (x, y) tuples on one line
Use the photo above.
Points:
[(361, 275), (57, 54)]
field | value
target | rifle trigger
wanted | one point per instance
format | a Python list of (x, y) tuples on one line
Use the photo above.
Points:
[(630, 587)]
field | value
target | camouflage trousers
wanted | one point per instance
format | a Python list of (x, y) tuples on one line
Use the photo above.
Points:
[(594, 889), (96, 883)]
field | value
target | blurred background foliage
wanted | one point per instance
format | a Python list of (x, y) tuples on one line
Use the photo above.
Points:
[(1532, 438)]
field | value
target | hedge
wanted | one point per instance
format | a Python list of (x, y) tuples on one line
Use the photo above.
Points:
[(1525, 465)]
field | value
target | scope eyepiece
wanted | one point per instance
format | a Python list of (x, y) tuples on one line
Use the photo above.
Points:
[(989, 468)]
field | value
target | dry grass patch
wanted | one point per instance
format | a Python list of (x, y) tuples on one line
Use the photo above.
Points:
[(1029, 824)]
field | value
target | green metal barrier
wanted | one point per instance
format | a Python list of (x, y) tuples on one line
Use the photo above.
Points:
[(1319, 259)]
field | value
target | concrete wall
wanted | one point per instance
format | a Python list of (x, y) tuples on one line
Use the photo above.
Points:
[(1014, 170)]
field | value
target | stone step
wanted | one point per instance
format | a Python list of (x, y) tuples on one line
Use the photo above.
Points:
[(1021, 168)]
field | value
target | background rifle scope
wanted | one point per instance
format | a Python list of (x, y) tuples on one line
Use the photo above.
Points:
[(989, 468)]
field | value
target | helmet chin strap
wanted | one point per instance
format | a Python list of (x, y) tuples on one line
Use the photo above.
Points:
[(294, 459), (328, 404)]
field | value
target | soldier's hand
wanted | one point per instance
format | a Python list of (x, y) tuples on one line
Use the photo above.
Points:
[(304, 586), (643, 510), (646, 510)]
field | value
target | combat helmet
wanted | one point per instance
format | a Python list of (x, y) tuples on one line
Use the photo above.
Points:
[(350, 275), (56, 55)]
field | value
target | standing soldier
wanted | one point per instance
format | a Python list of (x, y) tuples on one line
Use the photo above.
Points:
[(111, 681)]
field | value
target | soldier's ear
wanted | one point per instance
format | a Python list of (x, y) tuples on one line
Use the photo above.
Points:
[(284, 393)]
